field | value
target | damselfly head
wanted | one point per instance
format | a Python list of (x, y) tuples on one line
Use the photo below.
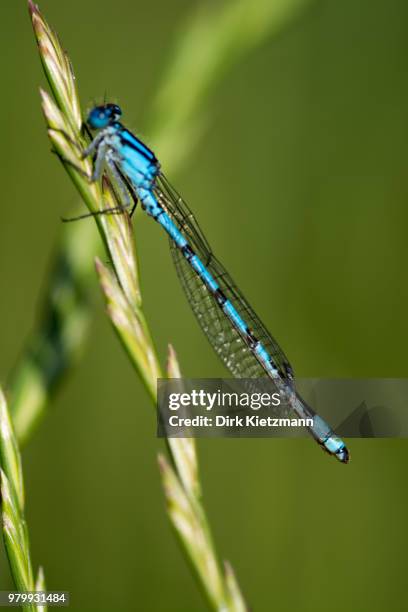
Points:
[(102, 116)]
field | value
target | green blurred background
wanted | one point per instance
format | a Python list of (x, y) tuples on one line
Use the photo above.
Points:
[(300, 183)]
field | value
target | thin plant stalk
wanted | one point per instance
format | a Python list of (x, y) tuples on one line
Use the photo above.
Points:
[(14, 526), (123, 299)]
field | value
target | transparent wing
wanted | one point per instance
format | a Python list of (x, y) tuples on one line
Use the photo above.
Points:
[(224, 338)]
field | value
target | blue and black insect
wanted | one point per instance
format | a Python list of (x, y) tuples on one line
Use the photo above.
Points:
[(232, 327)]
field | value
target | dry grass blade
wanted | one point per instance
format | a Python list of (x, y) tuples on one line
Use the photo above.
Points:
[(194, 537), (130, 325), (40, 586), (183, 450), (15, 532)]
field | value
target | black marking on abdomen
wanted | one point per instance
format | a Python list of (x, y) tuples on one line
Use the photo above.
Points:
[(187, 252), (252, 340), (288, 370), (159, 215), (220, 297)]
